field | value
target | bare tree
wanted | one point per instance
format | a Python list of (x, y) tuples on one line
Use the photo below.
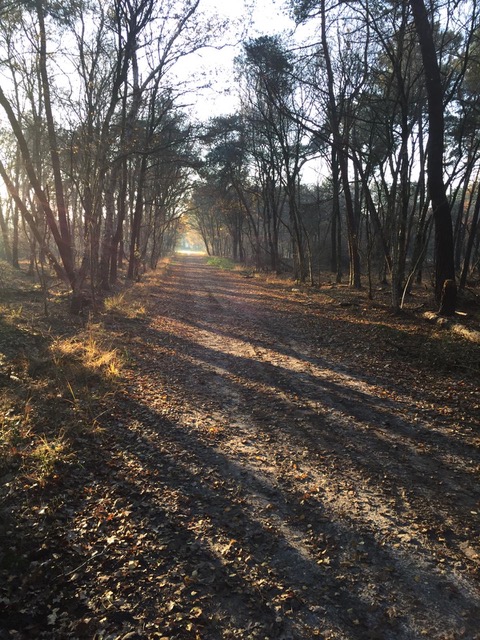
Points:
[(445, 287)]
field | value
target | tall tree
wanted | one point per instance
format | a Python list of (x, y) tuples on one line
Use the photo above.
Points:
[(445, 286), (269, 100)]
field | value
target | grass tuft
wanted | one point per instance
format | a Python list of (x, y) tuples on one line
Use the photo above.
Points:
[(66, 380), (47, 454), (15, 434), (121, 305), (86, 354)]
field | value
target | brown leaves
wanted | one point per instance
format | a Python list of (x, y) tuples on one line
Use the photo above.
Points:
[(251, 481)]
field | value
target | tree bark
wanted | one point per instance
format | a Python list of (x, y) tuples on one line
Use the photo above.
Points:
[(342, 158), (64, 231), (470, 242), (27, 216), (444, 247), (5, 237)]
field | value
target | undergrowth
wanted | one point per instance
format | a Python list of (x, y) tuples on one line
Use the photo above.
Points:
[(54, 392), (440, 350), (221, 263), (57, 376), (123, 305)]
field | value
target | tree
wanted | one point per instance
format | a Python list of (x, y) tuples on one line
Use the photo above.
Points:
[(337, 79), (445, 287), (99, 108), (269, 101)]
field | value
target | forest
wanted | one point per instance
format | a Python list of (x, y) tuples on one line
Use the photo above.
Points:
[(104, 168), (239, 320)]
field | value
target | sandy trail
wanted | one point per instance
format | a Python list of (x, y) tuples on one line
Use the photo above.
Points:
[(271, 467), (324, 503)]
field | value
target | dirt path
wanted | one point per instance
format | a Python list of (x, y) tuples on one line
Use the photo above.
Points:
[(272, 469)]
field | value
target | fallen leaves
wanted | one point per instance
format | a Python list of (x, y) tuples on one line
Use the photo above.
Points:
[(251, 481)]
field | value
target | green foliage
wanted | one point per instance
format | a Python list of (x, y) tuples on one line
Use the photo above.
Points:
[(221, 263)]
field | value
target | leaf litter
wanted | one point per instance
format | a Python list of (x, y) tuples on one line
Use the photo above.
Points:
[(270, 466)]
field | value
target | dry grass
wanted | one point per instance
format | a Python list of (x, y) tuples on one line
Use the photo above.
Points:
[(122, 304), (15, 433), (57, 376), (87, 353), (47, 453), (54, 390), (35, 455)]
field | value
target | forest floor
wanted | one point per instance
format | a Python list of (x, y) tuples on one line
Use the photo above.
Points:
[(222, 456)]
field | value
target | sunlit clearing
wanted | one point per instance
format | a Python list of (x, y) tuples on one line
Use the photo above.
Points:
[(191, 252), (191, 243)]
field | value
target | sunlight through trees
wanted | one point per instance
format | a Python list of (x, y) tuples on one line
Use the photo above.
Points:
[(104, 165)]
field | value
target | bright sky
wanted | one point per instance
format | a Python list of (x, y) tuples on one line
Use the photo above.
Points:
[(266, 17)]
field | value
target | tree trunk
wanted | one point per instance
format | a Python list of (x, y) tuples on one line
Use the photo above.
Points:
[(470, 242), (116, 248), (27, 216), (66, 249), (444, 248), (132, 272), (334, 267), (6, 240), (7, 250), (342, 156)]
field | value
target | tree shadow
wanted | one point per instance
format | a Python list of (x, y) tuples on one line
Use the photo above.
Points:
[(166, 529)]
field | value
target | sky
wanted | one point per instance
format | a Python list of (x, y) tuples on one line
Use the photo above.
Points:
[(267, 17)]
